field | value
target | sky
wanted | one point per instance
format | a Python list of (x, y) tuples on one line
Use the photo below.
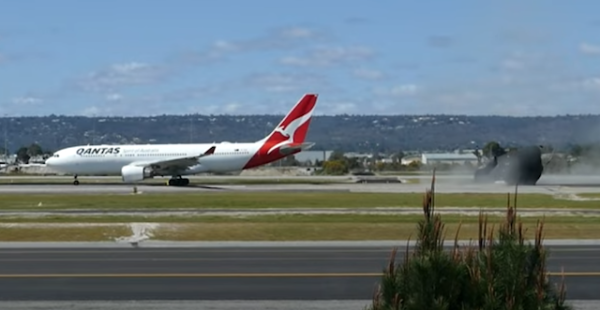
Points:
[(149, 57)]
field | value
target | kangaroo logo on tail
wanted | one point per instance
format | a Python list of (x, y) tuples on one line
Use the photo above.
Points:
[(289, 130)]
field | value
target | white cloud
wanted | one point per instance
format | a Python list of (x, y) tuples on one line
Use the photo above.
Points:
[(232, 108), (118, 76), (277, 39), (342, 107), (26, 101), (512, 64), (530, 61), (121, 75), (114, 97), (286, 82), (91, 111), (589, 49), (298, 32), (402, 90), (592, 83), (329, 56), (368, 74)]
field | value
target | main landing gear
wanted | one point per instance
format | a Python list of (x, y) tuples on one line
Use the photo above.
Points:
[(178, 181), (75, 181)]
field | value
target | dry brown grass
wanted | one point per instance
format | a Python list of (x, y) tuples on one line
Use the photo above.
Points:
[(81, 233)]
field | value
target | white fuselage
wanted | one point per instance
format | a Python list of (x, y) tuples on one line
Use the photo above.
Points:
[(226, 158)]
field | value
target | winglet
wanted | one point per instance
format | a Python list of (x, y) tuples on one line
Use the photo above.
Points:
[(209, 151)]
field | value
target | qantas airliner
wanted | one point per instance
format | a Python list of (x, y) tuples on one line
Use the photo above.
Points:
[(138, 162)]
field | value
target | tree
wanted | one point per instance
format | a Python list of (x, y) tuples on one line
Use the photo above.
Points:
[(397, 157), (336, 155), (289, 161), (23, 155), (34, 150), (502, 272), (491, 149), (335, 167)]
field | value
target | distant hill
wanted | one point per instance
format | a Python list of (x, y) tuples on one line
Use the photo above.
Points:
[(343, 132)]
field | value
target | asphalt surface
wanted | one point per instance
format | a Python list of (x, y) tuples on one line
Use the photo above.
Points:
[(299, 273), (442, 186), (218, 304)]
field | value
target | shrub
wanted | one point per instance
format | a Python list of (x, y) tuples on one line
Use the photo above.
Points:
[(495, 272)]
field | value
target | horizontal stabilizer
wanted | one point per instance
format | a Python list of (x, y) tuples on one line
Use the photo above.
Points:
[(294, 147)]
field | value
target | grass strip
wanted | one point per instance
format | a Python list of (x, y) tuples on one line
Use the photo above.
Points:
[(310, 219), (275, 231), (260, 200)]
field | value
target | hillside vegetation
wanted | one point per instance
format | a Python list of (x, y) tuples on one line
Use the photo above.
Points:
[(342, 132)]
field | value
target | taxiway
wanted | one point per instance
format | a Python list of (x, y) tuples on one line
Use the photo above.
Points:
[(226, 273)]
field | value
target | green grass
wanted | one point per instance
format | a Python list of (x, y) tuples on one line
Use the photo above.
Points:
[(258, 200), (295, 229), (358, 219), (590, 195)]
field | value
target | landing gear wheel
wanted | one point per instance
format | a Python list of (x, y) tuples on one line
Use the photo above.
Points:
[(179, 182), (75, 181)]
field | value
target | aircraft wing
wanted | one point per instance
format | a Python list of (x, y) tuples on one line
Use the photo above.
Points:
[(176, 164)]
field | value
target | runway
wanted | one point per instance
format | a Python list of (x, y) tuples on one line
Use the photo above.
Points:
[(267, 273), (444, 184)]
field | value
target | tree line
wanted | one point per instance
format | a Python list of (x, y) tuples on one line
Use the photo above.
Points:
[(25, 153), (349, 133)]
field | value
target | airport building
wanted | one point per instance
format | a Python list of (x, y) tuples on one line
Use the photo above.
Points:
[(312, 156), (407, 160), (448, 158), (10, 159)]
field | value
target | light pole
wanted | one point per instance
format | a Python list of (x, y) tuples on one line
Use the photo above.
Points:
[(6, 136)]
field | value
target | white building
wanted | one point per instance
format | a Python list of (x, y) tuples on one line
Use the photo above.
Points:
[(448, 158), (10, 159), (312, 156), (410, 159)]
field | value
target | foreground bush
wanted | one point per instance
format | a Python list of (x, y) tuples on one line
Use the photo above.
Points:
[(497, 272)]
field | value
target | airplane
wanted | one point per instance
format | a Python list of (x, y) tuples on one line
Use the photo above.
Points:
[(137, 162)]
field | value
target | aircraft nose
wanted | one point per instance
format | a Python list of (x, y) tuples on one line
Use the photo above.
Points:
[(49, 162), (52, 161)]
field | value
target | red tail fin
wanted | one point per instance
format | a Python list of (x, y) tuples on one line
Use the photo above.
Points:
[(292, 129), (294, 126)]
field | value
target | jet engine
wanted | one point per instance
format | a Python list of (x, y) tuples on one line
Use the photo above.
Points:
[(132, 174), (523, 167)]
